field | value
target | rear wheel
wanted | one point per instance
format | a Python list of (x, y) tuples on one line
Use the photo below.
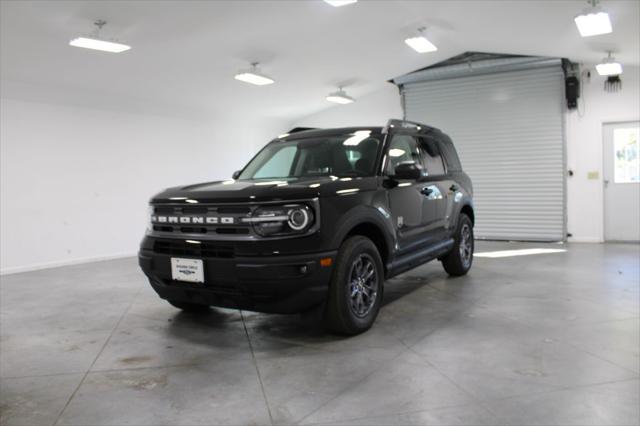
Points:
[(458, 261), (189, 307), (355, 292)]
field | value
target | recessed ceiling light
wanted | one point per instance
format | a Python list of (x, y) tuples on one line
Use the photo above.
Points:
[(593, 21), (420, 43), (609, 66), (95, 42), (338, 3), (254, 76), (340, 97)]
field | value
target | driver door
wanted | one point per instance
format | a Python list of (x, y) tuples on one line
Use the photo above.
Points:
[(406, 197)]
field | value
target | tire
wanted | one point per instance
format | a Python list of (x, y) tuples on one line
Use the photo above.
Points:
[(356, 287), (189, 307), (458, 261)]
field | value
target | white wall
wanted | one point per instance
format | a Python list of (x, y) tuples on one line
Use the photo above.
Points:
[(75, 180), (370, 110), (584, 150), (584, 140)]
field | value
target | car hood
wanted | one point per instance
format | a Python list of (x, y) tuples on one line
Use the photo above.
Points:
[(266, 190)]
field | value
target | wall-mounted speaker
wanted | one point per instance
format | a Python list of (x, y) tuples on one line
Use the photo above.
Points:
[(572, 91)]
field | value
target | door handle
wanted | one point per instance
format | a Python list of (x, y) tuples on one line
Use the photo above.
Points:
[(426, 191), (454, 188)]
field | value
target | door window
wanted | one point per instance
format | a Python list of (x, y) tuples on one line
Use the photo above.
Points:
[(431, 157), (403, 148), (626, 147)]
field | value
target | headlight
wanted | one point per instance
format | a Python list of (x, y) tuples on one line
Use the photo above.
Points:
[(150, 212), (282, 220)]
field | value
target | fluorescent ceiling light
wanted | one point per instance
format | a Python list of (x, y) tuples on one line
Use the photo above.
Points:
[(340, 97), (420, 43), (338, 3), (593, 22), (609, 66), (254, 76), (97, 44)]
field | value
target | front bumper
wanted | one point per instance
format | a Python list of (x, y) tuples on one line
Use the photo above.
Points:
[(276, 283)]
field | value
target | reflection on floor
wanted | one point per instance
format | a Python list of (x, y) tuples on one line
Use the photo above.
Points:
[(550, 338)]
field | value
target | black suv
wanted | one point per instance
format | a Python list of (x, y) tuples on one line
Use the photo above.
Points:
[(318, 218)]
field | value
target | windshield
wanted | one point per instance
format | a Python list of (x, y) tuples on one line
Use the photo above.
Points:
[(352, 154)]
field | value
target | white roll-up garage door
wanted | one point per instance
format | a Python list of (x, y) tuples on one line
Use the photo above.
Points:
[(508, 130)]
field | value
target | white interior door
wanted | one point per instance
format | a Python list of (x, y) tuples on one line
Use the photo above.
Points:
[(621, 181)]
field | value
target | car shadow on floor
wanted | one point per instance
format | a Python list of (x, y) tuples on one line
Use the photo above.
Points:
[(304, 328)]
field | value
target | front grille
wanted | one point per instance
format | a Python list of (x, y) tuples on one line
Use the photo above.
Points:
[(232, 230), (192, 230), (234, 210), (202, 219), (194, 210), (203, 250)]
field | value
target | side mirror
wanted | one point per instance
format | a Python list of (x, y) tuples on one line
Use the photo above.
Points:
[(409, 170), (236, 174)]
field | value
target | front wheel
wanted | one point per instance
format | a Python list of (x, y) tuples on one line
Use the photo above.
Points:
[(458, 261), (355, 292)]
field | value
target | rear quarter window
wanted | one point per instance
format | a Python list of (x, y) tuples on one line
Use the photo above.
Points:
[(450, 156)]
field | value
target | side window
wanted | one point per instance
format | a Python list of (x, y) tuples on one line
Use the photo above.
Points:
[(450, 155), (403, 148), (278, 165), (432, 159)]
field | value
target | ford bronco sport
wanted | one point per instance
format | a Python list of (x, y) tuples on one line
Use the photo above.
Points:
[(318, 218)]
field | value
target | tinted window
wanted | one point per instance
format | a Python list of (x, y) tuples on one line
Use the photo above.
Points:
[(352, 154), (403, 148), (431, 157), (278, 165), (450, 155)]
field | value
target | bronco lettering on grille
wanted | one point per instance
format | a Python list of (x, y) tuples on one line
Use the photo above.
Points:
[(209, 220)]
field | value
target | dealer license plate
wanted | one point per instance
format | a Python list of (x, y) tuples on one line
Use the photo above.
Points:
[(188, 270)]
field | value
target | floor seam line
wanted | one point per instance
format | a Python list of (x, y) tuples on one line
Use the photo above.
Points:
[(356, 383), (407, 348), (255, 364), (75, 391)]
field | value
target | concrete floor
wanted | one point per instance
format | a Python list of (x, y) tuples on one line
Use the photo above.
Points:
[(539, 339)]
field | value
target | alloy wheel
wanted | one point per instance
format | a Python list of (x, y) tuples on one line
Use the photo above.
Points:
[(363, 285), (466, 245)]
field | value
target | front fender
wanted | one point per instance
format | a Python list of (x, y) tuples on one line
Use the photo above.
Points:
[(378, 216)]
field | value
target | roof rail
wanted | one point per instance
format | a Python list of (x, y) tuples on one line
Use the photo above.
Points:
[(406, 124), (301, 129)]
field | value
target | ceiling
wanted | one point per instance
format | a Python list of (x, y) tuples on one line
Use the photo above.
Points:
[(185, 53)]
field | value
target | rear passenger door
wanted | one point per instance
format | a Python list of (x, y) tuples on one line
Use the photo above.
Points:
[(438, 187)]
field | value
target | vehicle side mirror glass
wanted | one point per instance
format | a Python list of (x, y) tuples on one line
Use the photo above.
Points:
[(236, 174), (408, 170)]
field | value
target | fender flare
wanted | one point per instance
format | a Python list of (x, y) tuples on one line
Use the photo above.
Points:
[(360, 215)]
